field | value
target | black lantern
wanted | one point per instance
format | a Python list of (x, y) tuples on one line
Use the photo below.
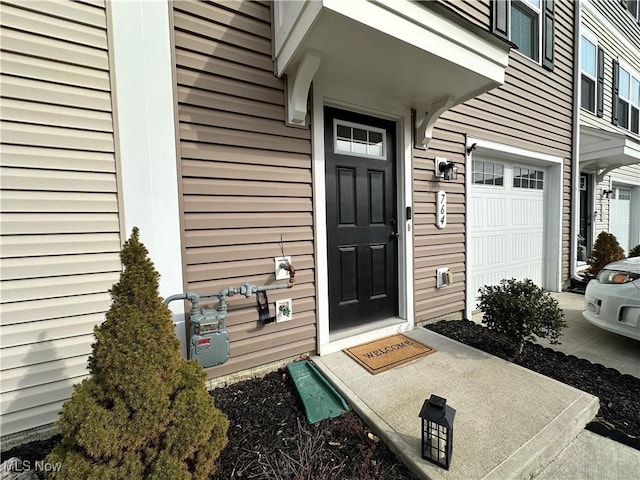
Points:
[(437, 431)]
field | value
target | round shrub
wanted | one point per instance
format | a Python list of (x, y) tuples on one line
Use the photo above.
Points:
[(605, 250), (635, 251), (521, 311), (144, 412)]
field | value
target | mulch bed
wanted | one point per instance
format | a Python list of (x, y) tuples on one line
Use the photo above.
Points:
[(270, 439), (619, 393)]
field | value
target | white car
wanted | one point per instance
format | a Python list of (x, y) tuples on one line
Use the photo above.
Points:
[(612, 299)]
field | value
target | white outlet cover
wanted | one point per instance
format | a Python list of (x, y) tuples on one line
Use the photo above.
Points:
[(281, 273), (441, 281), (284, 310)]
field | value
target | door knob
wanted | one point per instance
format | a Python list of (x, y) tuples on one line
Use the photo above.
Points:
[(394, 229)]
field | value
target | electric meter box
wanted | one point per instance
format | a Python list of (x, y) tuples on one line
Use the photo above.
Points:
[(209, 338)]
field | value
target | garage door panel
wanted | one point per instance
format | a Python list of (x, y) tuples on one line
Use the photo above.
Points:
[(506, 232), (619, 216)]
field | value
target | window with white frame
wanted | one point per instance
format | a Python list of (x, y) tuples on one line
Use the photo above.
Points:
[(487, 173), (530, 24), (635, 105), (626, 101), (588, 59), (624, 90), (359, 140), (633, 6), (528, 178), (526, 27)]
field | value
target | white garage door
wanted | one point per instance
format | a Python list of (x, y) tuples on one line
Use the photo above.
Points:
[(506, 222), (619, 215)]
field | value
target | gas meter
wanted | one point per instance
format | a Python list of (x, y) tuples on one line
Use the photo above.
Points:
[(209, 340), (208, 336)]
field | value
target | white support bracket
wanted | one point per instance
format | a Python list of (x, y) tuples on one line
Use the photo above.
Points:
[(425, 122), (602, 172), (298, 88)]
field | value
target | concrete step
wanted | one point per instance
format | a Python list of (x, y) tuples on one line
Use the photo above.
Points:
[(510, 422)]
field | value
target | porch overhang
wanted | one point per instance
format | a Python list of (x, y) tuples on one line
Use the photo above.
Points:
[(393, 52), (602, 151)]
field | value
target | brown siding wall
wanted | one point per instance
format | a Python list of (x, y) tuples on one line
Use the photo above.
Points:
[(532, 110), (246, 177), (60, 222)]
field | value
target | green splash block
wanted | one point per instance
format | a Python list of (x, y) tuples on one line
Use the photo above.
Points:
[(318, 396)]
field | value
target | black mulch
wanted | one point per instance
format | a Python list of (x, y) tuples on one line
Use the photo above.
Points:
[(269, 437), (619, 393)]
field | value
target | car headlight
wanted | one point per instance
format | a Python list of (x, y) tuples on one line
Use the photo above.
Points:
[(614, 276)]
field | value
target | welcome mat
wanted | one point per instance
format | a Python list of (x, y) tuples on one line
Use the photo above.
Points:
[(388, 352)]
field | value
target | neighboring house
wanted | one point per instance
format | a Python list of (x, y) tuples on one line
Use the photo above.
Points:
[(228, 131), (609, 124)]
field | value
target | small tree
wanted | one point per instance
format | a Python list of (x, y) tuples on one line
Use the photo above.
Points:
[(521, 311), (635, 251), (144, 413), (605, 250)]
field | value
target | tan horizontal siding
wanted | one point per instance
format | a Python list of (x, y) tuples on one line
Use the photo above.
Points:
[(55, 94), (433, 247), (246, 178), (43, 69), (65, 10), (245, 236), (59, 221), (532, 110), (43, 373), (476, 11), (65, 286), (27, 156)]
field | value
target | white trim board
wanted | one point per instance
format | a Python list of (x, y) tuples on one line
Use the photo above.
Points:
[(147, 140), (553, 202)]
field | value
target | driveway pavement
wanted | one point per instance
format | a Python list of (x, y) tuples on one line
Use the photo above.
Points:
[(586, 341)]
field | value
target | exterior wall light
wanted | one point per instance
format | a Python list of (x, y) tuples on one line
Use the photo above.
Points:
[(606, 193), (437, 431), (446, 169)]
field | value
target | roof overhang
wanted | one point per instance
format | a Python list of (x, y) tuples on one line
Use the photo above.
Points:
[(393, 52), (602, 151)]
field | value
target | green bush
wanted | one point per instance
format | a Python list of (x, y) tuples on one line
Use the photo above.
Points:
[(605, 250), (635, 251), (144, 412), (521, 311)]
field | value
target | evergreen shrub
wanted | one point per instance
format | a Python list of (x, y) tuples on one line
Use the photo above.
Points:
[(521, 311), (635, 251), (605, 250), (144, 412)]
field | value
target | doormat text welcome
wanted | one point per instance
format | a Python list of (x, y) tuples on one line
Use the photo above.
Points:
[(388, 352)]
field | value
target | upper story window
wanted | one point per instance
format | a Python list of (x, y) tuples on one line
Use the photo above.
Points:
[(588, 58), (591, 74), (634, 8), (530, 24), (525, 27), (626, 98)]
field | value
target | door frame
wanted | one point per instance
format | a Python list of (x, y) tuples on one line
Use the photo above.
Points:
[(335, 96), (553, 197)]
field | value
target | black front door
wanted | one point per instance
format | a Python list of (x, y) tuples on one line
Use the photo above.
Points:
[(586, 217), (362, 227)]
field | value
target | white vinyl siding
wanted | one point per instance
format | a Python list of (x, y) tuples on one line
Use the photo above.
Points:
[(59, 210)]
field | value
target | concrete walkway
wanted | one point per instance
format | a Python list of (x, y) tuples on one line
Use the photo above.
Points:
[(510, 422)]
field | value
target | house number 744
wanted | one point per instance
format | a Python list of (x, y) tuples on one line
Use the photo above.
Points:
[(441, 209)]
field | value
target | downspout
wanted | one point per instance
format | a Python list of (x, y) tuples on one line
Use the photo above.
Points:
[(575, 151)]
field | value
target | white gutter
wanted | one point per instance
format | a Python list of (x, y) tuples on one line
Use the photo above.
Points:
[(575, 171)]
